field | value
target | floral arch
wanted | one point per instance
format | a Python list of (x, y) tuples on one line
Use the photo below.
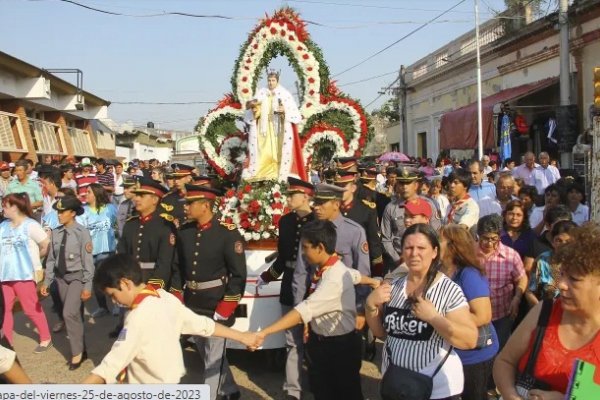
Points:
[(328, 114)]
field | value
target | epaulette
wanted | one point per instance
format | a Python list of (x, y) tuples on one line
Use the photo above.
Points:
[(167, 207), (228, 226), (369, 204), (168, 217), (132, 217)]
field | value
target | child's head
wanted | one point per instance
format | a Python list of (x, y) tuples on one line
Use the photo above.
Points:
[(318, 241), (118, 276), (561, 233)]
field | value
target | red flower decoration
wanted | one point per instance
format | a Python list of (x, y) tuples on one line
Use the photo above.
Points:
[(276, 195), (305, 56), (299, 48), (282, 32), (309, 68), (273, 31), (291, 38), (244, 78), (276, 219), (230, 193), (308, 105), (311, 80), (247, 189), (255, 46), (247, 68), (245, 90), (311, 92)]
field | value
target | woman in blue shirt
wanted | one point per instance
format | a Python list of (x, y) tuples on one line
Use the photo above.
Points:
[(22, 242), (461, 264), (100, 217)]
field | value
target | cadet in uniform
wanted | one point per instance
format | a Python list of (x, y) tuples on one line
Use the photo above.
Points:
[(211, 258), (150, 237), (174, 201), (299, 194), (363, 212), (367, 191), (70, 263), (351, 246), (392, 222)]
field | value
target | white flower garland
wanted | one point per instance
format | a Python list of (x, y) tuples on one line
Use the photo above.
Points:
[(219, 159), (254, 53), (356, 120), (341, 147), (231, 143)]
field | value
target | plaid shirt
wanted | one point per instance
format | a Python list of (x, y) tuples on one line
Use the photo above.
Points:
[(503, 269)]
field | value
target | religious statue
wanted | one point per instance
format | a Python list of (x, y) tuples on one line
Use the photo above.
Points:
[(273, 144)]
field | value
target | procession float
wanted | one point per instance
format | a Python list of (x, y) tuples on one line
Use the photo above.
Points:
[(230, 137)]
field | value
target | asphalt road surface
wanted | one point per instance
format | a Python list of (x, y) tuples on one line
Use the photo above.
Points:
[(259, 375)]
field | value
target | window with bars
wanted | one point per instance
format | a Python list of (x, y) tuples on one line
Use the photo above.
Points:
[(11, 133), (82, 142), (47, 137)]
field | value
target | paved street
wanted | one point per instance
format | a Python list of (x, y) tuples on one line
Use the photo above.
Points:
[(258, 374)]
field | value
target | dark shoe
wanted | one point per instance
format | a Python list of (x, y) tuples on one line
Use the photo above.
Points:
[(73, 366), (42, 349), (232, 396)]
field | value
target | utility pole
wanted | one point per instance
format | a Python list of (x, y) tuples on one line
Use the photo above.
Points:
[(479, 110), (401, 93), (565, 84)]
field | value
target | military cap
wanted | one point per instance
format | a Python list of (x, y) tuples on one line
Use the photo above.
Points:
[(325, 192), (344, 177), (68, 203), (149, 186), (128, 181), (296, 185), (197, 192), (202, 180), (406, 174), (369, 174), (181, 170), (419, 207), (346, 162)]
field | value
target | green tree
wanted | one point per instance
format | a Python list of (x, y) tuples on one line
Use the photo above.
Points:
[(389, 110)]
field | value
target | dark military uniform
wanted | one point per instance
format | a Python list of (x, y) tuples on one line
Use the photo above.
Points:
[(151, 241), (380, 199), (172, 204), (212, 261), (213, 264), (363, 212), (290, 226)]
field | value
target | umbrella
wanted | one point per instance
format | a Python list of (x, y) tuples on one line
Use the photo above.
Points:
[(394, 156)]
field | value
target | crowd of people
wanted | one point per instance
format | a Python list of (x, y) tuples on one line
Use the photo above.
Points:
[(453, 267)]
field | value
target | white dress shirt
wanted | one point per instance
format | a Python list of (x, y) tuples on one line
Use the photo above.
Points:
[(523, 172), (544, 177)]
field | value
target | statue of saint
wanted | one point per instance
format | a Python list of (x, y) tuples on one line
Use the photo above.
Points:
[(273, 144)]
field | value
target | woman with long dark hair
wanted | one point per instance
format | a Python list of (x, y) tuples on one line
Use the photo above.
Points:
[(100, 217), (461, 264), (422, 316), (22, 242)]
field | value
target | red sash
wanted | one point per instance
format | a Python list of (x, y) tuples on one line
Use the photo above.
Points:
[(457, 205), (320, 271)]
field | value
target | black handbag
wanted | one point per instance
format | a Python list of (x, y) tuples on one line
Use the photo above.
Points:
[(525, 381), (399, 383)]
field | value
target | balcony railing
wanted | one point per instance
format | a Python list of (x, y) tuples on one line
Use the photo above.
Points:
[(11, 133), (47, 137), (82, 142)]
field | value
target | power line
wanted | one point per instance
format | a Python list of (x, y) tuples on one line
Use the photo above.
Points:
[(372, 6), (164, 103), (382, 93), (368, 79), (401, 39)]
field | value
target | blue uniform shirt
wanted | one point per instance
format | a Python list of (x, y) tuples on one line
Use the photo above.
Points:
[(17, 261), (101, 224)]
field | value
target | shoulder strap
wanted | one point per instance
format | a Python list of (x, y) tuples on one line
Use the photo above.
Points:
[(540, 330), (443, 361)]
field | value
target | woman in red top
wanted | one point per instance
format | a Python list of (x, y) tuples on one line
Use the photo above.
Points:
[(574, 327)]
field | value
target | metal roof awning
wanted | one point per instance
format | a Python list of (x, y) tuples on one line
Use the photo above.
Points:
[(458, 128)]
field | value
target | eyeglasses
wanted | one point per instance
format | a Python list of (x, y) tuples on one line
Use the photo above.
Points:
[(489, 239)]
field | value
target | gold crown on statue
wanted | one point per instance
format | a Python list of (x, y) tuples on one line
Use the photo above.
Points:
[(273, 72)]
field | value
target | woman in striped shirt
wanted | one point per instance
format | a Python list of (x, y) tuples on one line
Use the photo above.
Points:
[(423, 315)]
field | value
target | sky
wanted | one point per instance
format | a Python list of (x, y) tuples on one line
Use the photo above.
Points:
[(136, 57)]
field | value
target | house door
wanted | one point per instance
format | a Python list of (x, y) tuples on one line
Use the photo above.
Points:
[(422, 144)]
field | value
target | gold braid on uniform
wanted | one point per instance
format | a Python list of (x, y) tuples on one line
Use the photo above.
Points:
[(228, 226), (369, 204), (167, 207), (132, 217), (235, 298), (273, 273), (168, 217)]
